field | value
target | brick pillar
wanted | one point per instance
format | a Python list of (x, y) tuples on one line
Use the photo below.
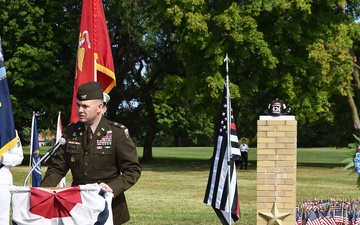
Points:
[(276, 166)]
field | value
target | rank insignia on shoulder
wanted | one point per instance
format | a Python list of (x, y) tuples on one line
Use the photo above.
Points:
[(116, 124)]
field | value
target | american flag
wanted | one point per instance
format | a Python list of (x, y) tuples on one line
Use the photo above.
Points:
[(356, 217), (218, 193), (312, 219), (323, 219), (330, 215), (338, 215), (298, 219)]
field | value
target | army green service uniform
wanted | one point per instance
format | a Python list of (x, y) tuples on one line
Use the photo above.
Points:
[(109, 157)]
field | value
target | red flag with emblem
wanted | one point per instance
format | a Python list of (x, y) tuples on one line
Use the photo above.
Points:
[(94, 58)]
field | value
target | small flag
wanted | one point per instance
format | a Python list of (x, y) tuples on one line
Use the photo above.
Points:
[(94, 57), (312, 219), (7, 132), (222, 197), (35, 154), (62, 183)]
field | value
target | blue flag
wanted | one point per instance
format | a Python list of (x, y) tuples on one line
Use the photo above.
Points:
[(35, 154), (7, 132)]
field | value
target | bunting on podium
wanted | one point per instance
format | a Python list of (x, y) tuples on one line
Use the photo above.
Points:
[(79, 205)]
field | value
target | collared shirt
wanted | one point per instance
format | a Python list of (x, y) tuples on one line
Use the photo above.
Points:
[(244, 148), (94, 125)]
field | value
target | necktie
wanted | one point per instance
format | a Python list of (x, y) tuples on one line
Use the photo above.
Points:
[(88, 135)]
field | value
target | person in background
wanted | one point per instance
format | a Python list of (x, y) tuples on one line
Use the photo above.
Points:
[(10, 158), (97, 151), (244, 148), (106, 99)]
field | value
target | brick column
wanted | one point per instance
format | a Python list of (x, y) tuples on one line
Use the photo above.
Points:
[(276, 166)]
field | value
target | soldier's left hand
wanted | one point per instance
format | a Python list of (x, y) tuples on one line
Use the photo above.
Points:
[(106, 187)]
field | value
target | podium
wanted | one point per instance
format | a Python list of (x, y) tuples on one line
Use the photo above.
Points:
[(80, 205)]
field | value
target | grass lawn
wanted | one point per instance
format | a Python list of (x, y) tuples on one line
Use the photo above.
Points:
[(171, 189)]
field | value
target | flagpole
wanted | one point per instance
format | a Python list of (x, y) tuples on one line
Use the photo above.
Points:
[(62, 182), (227, 60), (31, 141)]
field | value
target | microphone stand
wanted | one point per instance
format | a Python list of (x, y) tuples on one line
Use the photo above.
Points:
[(47, 156)]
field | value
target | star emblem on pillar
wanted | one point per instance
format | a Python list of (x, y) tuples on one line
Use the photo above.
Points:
[(274, 218)]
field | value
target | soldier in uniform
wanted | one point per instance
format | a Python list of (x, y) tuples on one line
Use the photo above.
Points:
[(97, 151)]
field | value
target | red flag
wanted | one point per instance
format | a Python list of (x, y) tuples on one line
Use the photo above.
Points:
[(94, 58)]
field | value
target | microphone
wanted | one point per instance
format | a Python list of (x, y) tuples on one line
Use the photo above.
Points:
[(52, 151)]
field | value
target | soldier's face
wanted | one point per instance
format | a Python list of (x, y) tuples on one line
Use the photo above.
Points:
[(89, 111)]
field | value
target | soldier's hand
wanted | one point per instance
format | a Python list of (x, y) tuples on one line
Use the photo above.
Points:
[(106, 187)]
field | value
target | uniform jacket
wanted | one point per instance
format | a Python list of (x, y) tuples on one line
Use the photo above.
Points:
[(109, 157)]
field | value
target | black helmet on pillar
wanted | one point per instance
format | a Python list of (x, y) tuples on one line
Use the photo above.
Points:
[(277, 107)]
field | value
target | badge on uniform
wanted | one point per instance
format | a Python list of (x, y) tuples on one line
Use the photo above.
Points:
[(105, 140), (126, 132), (74, 143)]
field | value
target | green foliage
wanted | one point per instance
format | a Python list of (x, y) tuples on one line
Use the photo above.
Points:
[(35, 73), (168, 57), (351, 160)]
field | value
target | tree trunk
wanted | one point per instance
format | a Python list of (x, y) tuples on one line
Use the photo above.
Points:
[(354, 112), (353, 108), (151, 128), (356, 81)]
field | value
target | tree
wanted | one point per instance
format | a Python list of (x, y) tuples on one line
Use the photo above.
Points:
[(36, 73), (144, 53), (294, 50)]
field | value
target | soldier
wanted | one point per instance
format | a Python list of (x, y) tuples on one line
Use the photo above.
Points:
[(97, 151), (106, 99)]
